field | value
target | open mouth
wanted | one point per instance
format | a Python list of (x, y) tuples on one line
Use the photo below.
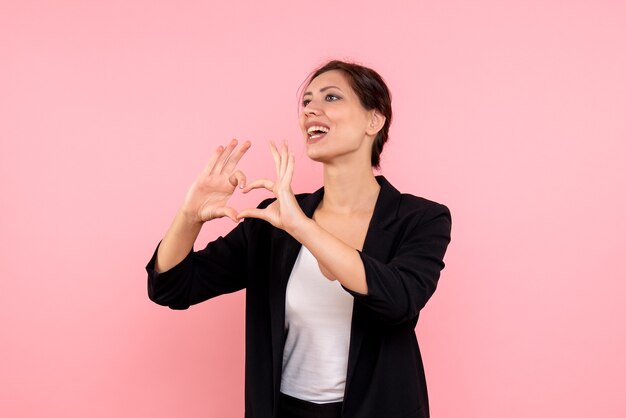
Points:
[(317, 132)]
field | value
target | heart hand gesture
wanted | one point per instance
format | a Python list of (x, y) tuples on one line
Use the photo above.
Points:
[(284, 213), (207, 198)]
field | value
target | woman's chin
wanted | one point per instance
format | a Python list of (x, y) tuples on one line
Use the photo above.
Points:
[(315, 155)]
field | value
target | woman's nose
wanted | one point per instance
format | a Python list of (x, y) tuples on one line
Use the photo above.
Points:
[(312, 109)]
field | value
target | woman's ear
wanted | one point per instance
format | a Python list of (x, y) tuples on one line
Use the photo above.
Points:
[(377, 121)]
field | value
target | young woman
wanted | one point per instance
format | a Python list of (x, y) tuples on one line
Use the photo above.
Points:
[(334, 280)]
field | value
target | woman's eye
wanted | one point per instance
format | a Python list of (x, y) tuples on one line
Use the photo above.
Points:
[(328, 98)]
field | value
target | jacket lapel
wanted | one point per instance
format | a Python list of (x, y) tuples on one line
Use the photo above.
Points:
[(377, 245), (284, 253)]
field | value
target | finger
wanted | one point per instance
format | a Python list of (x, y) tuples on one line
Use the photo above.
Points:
[(234, 159), (276, 156), (260, 184), (217, 169), (283, 159), (238, 179), (209, 166), (291, 161), (226, 211)]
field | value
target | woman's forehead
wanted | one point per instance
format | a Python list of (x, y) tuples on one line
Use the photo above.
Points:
[(329, 78)]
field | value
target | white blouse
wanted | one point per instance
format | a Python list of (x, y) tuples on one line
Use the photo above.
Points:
[(318, 316)]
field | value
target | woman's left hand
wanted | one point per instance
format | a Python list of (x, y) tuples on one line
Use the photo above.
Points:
[(284, 213)]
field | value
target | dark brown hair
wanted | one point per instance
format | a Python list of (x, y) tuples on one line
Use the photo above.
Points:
[(372, 92)]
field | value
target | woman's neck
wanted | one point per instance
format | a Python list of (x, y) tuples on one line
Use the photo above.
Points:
[(349, 189)]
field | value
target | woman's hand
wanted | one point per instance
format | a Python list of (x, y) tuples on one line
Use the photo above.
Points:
[(284, 213), (208, 196)]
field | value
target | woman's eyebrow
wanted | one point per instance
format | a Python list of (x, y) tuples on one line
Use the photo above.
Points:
[(322, 89)]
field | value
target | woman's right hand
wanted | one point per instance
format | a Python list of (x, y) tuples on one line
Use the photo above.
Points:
[(208, 196)]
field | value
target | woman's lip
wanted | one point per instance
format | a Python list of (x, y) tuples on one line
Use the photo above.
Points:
[(315, 138)]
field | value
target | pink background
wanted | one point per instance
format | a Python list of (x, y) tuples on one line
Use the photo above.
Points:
[(511, 113)]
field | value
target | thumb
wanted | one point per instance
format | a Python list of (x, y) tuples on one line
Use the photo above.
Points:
[(226, 211)]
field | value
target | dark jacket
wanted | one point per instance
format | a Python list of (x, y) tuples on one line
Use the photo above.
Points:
[(403, 256)]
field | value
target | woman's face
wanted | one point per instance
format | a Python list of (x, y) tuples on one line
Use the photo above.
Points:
[(333, 122)]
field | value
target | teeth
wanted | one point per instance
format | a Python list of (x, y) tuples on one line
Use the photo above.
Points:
[(317, 128)]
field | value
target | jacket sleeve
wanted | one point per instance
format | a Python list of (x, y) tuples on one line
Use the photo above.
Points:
[(221, 267), (399, 289)]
